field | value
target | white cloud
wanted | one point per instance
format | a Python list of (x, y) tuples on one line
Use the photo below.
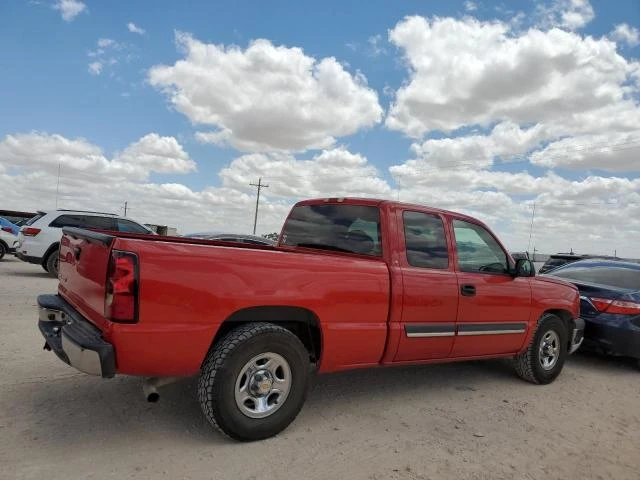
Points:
[(266, 97), (332, 172), (467, 72), (69, 9), (470, 6), (133, 28), (159, 154), (611, 151), (569, 14), (106, 42), (42, 152), (108, 53), (375, 47), (95, 68), (626, 34)]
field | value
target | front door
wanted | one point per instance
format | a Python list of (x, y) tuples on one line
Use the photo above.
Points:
[(430, 289), (494, 307)]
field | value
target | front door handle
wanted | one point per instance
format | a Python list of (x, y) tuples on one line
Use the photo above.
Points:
[(468, 290)]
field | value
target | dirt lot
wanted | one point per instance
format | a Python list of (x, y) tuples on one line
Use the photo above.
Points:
[(469, 420)]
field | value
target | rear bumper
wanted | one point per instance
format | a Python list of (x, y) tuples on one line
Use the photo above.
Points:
[(577, 335), (29, 259), (73, 339), (615, 334)]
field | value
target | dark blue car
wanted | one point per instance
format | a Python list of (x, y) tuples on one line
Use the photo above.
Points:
[(609, 303)]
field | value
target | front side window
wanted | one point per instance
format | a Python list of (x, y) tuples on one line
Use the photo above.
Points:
[(99, 223), (477, 250), (342, 228), (425, 242)]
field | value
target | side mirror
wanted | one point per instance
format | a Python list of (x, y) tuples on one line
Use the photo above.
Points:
[(524, 268)]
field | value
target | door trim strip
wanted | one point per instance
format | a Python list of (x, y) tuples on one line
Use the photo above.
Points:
[(428, 330), (494, 328), (423, 330)]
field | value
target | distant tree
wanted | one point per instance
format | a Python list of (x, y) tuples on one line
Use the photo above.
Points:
[(271, 236)]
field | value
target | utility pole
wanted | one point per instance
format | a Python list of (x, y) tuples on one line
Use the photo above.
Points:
[(260, 186), (125, 208), (58, 186), (533, 215)]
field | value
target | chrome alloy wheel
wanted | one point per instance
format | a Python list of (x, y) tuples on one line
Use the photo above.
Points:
[(263, 385), (549, 351)]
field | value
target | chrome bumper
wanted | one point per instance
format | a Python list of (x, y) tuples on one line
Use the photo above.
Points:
[(73, 339)]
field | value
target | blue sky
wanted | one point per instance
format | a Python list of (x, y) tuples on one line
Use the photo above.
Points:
[(47, 87)]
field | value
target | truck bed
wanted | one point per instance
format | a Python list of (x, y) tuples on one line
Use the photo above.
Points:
[(188, 287)]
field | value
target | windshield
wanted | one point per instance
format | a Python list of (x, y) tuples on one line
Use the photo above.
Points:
[(343, 228)]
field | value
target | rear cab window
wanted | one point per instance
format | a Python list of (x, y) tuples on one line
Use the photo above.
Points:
[(335, 227)]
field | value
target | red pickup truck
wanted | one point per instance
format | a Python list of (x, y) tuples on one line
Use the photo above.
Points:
[(352, 283)]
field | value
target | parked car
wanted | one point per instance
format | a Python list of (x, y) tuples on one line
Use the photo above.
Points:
[(609, 303), (232, 237), (8, 226), (7, 242), (39, 238), (559, 259), (353, 283)]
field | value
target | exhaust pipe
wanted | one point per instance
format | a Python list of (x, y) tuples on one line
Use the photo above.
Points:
[(150, 387)]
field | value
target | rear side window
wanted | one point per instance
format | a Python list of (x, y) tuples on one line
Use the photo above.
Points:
[(342, 228), (32, 220), (83, 221), (68, 221), (130, 227), (425, 241), (618, 277)]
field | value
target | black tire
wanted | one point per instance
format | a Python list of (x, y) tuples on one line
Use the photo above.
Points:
[(52, 263), (3, 250), (529, 365), (223, 367)]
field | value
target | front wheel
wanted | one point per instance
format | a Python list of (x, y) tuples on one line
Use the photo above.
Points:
[(254, 381), (542, 362)]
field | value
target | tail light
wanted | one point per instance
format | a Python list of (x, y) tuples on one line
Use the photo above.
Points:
[(30, 231), (7, 229), (121, 298), (616, 306)]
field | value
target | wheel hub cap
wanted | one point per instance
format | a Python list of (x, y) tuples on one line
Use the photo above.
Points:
[(263, 385), (549, 350)]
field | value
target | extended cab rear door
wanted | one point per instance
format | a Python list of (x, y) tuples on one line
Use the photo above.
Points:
[(429, 287), (494, 306)]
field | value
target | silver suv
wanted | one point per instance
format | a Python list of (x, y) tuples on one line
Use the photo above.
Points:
[(40, 236)]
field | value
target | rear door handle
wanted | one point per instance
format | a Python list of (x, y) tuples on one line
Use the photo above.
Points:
[(468, 290)]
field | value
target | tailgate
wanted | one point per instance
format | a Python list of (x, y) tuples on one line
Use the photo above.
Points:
[(84, 259)]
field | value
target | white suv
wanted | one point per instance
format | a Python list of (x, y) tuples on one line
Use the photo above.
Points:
[(39, 238), (7, 242)]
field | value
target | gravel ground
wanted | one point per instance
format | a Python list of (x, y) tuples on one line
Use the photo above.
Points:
[(473, 420)]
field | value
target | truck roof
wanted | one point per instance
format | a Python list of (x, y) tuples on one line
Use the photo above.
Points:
[(377, 202)]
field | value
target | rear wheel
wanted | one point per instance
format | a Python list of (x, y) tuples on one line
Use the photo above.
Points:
[(254, 381), (3, 250), (52, 263), (542, 362)]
